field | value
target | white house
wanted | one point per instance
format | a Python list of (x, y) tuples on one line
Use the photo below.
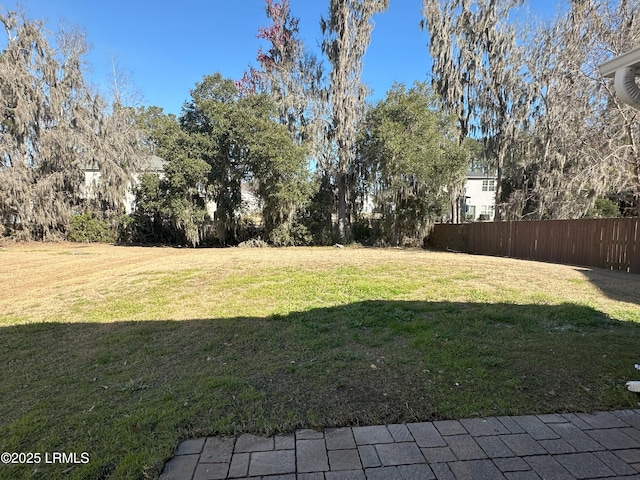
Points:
[(479, 196), (152, 164), (251, 204)]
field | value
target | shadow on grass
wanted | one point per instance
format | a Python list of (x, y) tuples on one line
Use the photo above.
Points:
[(128, 392), (621, 286)]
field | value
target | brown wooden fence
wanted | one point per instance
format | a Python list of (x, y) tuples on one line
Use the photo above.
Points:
[(612, 243)]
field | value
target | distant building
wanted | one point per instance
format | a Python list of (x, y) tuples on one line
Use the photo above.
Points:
[(251, 205), (479, 196), (152, 164)]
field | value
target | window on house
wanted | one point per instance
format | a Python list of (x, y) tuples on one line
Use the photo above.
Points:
[(488, 185), (470, 211), (487, 210)]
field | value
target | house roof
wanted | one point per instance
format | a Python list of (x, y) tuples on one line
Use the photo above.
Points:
[(477, 175), (153, 164)]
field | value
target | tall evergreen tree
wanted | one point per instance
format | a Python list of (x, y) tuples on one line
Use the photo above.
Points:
[(347, 32), (478, 71)]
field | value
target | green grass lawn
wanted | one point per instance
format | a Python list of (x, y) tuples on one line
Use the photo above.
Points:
[(124, 352)]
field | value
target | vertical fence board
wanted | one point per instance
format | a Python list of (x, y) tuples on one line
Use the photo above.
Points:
[(612, 243)]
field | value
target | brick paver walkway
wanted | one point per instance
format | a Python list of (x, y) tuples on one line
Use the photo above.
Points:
[(559, 447)]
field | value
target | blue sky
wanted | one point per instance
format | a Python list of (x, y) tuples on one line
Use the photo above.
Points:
[(166, 47)]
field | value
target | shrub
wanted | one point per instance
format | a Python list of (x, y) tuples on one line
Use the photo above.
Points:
[(604, 208), (362, 231), (253, 243), (290, 235), (88, 229)]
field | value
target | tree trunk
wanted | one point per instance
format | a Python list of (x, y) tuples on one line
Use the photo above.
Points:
[(343, 229), (498, 207)]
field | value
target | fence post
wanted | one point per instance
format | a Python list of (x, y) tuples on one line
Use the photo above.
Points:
[(509, 239)]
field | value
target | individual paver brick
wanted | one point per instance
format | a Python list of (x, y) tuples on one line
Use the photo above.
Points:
[(339, 438), (438, 454), (239, 465), (344, 475), (615, 464), (629, 456), (180, 467), (613, 439), (534, 427), (548, 468), (284, 442), (369, 456), (629, 417), (577, 421), (530, 475), (371, 435), (576, 437), (510, 424), (252, 443), (465, 447), (426, 435), (632, 432), (383, 473), (311, 476), (217, 450), (416, 472), (602, 420), (399, 453), (308, 434), (442, 471), (272, 463), (552, 418), (311, 456), (191, 446), (557, 446), (513, 464), (476, 469), (450, 427), (484, 426), (494, 447), (522, 444), (584, 465), (344, 459), (400, 432), (211, 471)]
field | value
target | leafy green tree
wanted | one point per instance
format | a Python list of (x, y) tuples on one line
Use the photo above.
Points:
[(184, 201), (221, 140), (410, 160), (171, 206), (276, 162), (146, 223)]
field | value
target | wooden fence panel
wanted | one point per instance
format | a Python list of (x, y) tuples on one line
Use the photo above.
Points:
[(612, 243)]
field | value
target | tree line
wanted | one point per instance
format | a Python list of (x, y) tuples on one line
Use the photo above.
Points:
[(522, 101)]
